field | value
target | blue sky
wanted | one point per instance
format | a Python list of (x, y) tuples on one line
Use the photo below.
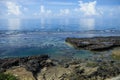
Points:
[(59, 8)]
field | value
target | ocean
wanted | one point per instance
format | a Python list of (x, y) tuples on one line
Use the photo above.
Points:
[(29, 37)]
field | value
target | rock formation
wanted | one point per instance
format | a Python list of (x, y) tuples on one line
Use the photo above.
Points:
[(95, 43)]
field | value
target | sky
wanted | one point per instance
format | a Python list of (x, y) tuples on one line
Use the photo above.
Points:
[(59, 8)]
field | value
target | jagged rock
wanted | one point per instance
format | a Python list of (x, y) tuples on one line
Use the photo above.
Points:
[(102, 71), (42, 68), (7, 63), (95, 44), (33, 63)]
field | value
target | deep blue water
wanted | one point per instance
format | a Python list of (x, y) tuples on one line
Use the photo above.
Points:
[(59, 24), (26, 37)]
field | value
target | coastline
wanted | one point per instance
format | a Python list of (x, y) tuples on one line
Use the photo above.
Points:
[(42, 67)]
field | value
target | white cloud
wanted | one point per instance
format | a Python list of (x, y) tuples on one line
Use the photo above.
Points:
[(43, 12), (61, 3), (42, 9), (48, 13), (87, 8), (13, 8), (64, 12)]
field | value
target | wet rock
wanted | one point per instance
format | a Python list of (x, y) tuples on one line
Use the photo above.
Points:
[(94, 44)]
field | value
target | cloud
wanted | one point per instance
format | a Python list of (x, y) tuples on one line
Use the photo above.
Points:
[(13, 8), (43, 12), (49, 13), (42, 9), (113, 11), (61, 3), (64, 12), (87, 8)]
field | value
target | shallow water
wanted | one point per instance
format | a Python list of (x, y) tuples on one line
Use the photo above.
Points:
[(18, 44), (21, 37)]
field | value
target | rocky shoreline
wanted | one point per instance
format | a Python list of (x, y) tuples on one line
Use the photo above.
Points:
[(44, 68), (95, 43), (31, 63)]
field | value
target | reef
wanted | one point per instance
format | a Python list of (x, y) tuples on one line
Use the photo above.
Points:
[(95, 43)]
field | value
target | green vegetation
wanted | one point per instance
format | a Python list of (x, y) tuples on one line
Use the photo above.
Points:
[(116, 54), (7, 77)]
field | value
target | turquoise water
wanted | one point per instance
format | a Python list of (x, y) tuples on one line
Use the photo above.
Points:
[(18, 44), (39, 36)]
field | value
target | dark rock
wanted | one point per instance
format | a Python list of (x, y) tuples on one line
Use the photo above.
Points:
[(46, 63), (95, 44), (31, 63), (107, 69), (9, 63), (80, 71), (66, 65)]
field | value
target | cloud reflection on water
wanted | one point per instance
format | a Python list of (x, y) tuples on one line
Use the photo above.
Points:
[(14, 24), (42, 23), (87, 24)]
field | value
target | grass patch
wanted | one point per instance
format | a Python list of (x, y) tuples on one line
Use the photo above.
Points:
[(116, 54), (7, 77)]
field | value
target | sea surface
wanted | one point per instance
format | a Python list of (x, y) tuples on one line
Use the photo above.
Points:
[(27, 37)]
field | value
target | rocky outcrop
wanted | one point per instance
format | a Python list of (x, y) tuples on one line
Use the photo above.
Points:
[(95, 43), (42, 68), (33, 64), (102, 71)]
